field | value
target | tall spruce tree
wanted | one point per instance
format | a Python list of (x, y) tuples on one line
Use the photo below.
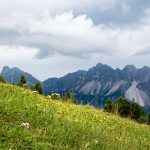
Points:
[(38, 88), (23, 80), (123, 107), (148, 118), (109, 106), (2, 80), (136, 111)]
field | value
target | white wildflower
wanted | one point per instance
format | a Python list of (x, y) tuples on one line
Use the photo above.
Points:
[(34, 91), (87, 144), (49, 96), (95, 141), (25, 125)]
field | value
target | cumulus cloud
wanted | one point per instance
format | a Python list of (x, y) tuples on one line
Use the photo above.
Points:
[(13, 52), (65, 33), (72, 35)]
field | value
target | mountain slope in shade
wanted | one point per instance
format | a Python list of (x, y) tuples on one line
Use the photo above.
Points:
[(12, 75), (102, 82)]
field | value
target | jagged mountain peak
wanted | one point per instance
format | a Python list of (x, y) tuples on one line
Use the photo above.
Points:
[(101, 66), (5, 68), (145, 68), (12, 75), (130, 68), (104, 82)]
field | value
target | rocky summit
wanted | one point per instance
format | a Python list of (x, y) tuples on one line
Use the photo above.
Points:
[(101, 82)]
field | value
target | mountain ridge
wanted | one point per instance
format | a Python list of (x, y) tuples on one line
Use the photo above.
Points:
[(105, 82), (97, 84)]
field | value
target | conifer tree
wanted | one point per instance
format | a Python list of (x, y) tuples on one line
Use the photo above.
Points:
[(108, 106), (38, 88), (2, 79), (23, 80), (148, 118)]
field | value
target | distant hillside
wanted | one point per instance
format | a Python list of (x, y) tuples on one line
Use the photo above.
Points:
[(31, 121), (12, 75)]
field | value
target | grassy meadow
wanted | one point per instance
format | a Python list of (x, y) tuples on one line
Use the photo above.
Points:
[(29, 121)]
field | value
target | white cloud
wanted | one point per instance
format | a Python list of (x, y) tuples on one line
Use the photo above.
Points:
[(64, 33), (15, 52), (75, 36)]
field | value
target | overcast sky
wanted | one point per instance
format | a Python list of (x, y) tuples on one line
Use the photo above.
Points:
[(50, 38)]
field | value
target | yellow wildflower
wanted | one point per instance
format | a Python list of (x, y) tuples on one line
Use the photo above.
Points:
[(37, 105), (76, 120)]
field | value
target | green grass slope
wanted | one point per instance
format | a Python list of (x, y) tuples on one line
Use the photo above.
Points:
[(63, 126)]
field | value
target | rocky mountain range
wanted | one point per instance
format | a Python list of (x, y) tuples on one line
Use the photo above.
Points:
[(97, 84), (102, 82)]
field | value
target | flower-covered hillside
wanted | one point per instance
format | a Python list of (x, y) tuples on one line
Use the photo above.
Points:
[(32, 121)]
